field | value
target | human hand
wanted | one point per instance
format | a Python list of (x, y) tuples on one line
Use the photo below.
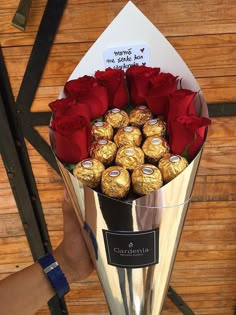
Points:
[(72, 253)]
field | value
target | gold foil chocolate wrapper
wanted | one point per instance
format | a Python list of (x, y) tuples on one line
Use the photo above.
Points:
[(171, 165), (139, 115), (129, 135), (146, 178), (129, 157), (102, 130), (117, 118), (103, 150), (154, 127), (155, 148), (115, 182), (89, 172)]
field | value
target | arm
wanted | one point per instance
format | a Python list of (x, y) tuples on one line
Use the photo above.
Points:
[(26, 291)]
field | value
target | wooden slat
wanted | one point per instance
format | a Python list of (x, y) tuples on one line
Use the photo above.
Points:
[(83, 22), (209, 63)]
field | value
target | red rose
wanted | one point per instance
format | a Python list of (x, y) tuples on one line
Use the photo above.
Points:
[(72, 133), (188, 134), (87, 90), (113, 80), (61, 106), (180, 103), (138, 79), (157, 98)]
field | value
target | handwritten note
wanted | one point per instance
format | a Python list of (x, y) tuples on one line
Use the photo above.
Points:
[(126, 56)]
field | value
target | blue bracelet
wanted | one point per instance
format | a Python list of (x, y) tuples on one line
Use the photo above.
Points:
[(55, 275)]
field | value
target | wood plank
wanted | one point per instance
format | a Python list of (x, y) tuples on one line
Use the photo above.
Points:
[(205, 62), (170, 17)]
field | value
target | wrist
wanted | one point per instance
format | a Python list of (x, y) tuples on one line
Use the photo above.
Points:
[(52, 269), (63, 262)]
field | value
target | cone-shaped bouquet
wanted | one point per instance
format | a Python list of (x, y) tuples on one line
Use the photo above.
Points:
[(132, 197)]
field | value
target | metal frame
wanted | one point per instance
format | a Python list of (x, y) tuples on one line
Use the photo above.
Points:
[(17, 123), (20, 174)]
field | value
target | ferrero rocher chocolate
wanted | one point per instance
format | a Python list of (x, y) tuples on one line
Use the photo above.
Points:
[(117, 118), (89, 172), (103, 150), (154, 127), (171, 165), (128, 135), (102, 130), (155, 148), (139, 115), (129, 157), (115, 182), (146, 178)]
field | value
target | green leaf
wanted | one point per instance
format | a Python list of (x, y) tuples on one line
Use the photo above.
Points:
[(185, 152), (69, 166)]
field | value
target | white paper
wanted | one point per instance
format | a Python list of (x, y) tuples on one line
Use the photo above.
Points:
[(122, 32), (126, 56)]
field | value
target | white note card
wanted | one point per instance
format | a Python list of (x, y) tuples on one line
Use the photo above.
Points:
[(126, 56)]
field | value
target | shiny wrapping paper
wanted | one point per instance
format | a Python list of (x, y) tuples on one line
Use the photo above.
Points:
[(135, 275), (102, 130), (103, 150), (89, 172), (115, 182), (154, 127), (128, 135), (146, 179), (129, 157), (117, 118), (172, 165), (139, 115), (155, 148)]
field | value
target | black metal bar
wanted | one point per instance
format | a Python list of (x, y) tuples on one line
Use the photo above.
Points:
[(40, 118), (38, 58), (222, 109), (9, 152), (179, 302), (39, 144), (11, 125), (40, 51), (18, 167), (215, 110)]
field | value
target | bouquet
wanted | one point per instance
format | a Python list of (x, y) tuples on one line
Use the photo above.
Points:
[(128, 131), (139, 124)]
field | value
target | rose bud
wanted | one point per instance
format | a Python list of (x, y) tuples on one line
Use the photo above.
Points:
[(113, 80), (138, 79), (157, 96), (187, 135), (71, 130), (89, 91)]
